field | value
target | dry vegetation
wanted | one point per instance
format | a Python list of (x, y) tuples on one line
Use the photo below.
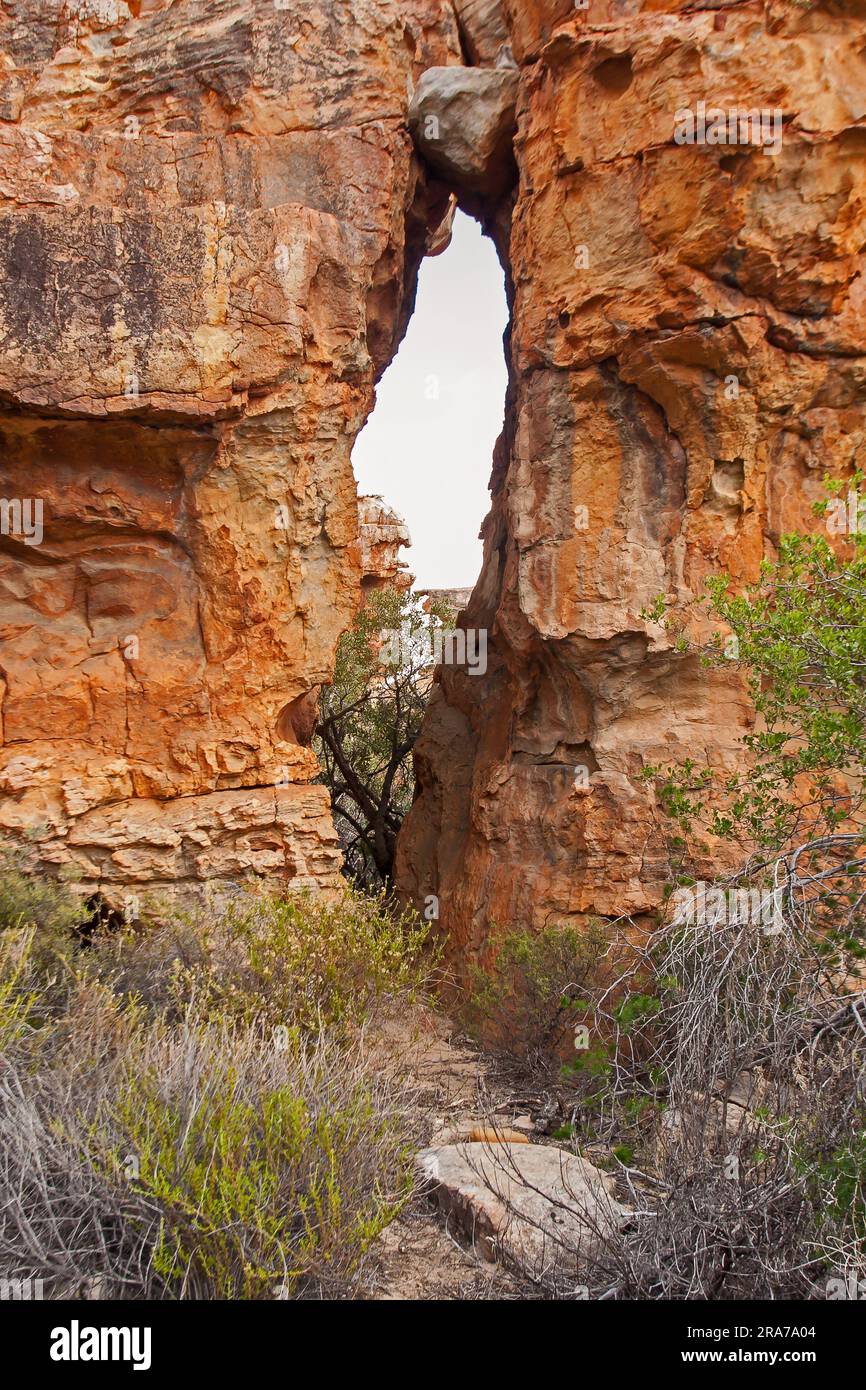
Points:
[(200, 1116)]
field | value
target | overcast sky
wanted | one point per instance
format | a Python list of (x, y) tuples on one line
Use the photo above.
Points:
[(427, 449)]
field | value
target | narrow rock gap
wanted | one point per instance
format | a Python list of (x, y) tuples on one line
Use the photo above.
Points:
[(427, 449)]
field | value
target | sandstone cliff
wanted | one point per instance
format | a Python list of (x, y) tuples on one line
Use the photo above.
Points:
[(211, 218), (210, 224), (687, 362)]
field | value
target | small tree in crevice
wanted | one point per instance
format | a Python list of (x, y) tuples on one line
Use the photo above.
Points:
[(369, 719)]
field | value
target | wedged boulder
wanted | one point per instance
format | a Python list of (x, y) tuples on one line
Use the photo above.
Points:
[(539, 1210), (463, 122)]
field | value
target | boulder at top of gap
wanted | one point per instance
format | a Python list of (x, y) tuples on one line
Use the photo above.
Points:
[(463, 122)]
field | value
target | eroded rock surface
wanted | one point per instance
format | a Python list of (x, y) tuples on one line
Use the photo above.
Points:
[(382, 534), (211, 218), (483, 29), (688, 360)]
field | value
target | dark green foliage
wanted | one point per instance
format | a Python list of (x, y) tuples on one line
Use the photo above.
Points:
[(369, 720)]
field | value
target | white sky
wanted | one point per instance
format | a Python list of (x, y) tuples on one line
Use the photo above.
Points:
[(430, 459)]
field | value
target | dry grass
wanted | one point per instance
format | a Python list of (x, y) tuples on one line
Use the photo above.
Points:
[(170, 1127), (726, 1074)]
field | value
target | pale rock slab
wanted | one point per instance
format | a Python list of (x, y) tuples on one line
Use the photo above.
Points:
[(538, 1209)]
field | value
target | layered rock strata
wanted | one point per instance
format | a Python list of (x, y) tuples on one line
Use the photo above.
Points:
[(688, 360), (211, 220)]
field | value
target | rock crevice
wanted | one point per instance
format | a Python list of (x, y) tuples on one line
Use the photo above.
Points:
[(211, 221)]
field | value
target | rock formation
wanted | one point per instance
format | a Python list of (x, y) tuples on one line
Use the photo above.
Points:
[(687, 362), (381, 536), (211, 218), (463, 120)]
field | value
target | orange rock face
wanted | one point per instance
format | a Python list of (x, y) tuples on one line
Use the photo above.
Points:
[(688, 360), (211, 219)]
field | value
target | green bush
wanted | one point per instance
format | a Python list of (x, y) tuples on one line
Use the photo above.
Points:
[(194, 1113), (301, 961), (39, 918), (529, 997), (837, 1182), (18, 997), (49, 914), (32, 900), (198, 1161)]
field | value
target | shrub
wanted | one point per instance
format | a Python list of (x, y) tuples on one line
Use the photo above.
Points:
[(739, 1089), (18, 998), (30, 900), (199, 1161), (300, 961), (528, 998), (199, 1116), (43, 916)]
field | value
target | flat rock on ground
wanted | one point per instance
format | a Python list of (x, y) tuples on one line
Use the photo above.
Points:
[(541, 1211)]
